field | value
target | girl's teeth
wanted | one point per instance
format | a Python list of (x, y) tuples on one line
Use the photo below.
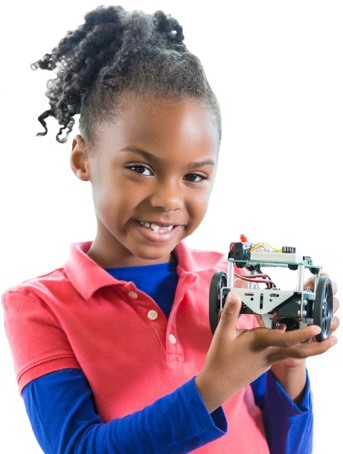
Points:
[(156, 228)]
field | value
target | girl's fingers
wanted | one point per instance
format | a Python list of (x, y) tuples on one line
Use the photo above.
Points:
[(335, 304), (279, 338), (230, 313), (303, 350), (334, 324)]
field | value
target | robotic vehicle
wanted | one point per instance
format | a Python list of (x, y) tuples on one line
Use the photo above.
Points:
[(294, 308)]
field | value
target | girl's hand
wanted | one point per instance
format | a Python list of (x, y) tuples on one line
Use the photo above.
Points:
[(291, 372), (237, 357), (309, 284)]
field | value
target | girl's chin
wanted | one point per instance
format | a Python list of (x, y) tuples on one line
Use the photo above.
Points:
[(151, 256)]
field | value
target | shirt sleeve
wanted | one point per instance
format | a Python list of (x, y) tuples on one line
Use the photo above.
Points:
[(288, 426), (63, 418)]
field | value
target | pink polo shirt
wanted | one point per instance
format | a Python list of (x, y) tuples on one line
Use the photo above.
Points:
[(79, 316)]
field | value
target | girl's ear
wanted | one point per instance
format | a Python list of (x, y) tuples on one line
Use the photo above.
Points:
[(79, 159)]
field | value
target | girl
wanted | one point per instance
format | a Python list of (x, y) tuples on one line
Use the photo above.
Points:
[(113, 351)]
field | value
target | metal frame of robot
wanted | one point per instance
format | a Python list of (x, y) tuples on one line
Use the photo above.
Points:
[(303, 307)]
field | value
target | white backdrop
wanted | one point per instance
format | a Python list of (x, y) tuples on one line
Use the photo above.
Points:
[(277, 69)]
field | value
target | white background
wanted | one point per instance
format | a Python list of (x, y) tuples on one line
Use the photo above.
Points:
[(277, 69)]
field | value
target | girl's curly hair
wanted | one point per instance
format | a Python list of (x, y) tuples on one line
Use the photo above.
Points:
[(115, 51)]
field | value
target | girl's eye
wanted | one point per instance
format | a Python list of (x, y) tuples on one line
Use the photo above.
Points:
[(195, 177), (140, 168)]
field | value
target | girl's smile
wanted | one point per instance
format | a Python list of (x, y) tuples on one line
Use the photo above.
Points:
[(152, 171), (158, 232)]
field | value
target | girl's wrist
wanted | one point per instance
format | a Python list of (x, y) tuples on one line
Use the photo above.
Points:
[(292, 377)]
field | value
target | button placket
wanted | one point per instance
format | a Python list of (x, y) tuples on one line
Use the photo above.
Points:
[(159, 324)]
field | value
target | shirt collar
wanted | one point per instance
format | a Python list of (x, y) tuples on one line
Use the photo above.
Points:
[(87, 276)]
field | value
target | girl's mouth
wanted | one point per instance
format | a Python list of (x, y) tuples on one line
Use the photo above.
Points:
[(156, 227)]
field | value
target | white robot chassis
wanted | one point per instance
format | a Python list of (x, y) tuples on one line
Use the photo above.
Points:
[(294, 308)]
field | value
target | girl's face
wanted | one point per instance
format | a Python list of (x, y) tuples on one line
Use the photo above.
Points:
[(151, 171)]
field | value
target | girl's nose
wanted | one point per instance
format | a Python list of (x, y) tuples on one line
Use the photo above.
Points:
[(167, 197)]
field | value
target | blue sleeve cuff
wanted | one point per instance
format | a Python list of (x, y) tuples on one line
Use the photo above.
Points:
[(282, 398), (217, 418), (288, 426)]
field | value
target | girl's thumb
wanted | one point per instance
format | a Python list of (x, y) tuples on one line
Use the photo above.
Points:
[(230, 312)]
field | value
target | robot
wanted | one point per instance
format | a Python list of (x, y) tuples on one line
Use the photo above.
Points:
[(295, 308)]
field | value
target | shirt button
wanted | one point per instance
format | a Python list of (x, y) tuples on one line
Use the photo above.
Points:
[(152, 314), (133, 295), (172, 339)]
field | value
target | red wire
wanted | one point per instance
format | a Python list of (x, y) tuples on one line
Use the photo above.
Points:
[(256, 278)]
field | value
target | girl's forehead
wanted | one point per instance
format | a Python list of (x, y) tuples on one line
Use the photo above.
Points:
[(155, 115), (161, 125), (160, 112)]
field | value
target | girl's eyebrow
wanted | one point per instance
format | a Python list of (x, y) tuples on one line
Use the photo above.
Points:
[(143, 153), (156, 159)]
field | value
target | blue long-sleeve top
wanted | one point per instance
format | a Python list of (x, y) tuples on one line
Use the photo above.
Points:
[(64, 419)]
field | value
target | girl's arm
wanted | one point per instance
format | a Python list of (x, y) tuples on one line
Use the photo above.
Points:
[(64, 419), (288, 425)]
